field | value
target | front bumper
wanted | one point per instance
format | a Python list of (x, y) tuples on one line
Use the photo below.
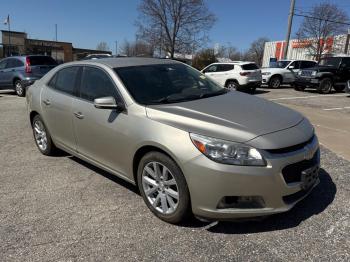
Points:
[(266, 79), (209, 182), (307, 82)]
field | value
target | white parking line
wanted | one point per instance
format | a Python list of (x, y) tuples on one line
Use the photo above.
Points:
[(336, 108), (304, 97)]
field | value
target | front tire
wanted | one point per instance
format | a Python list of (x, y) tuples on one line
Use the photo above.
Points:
[(42, 137), (164, 188), (232, 85), (19, 88), (325, 86), (275, 82)]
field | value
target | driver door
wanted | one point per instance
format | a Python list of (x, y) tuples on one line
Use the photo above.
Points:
[(101, 133)]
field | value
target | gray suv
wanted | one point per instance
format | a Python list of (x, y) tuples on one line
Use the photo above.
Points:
[(18, 72)]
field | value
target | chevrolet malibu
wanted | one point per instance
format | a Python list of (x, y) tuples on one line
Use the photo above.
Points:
[(190, 145)]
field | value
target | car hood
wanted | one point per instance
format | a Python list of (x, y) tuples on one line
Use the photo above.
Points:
[(272, 70), (234, 116)]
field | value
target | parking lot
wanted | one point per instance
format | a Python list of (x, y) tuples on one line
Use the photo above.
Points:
[(63, 209)]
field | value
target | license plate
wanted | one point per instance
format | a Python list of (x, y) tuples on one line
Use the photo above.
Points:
[(309, 177)]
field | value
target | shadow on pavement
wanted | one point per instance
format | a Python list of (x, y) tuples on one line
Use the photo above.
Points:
[(259, 91), (319, 199)]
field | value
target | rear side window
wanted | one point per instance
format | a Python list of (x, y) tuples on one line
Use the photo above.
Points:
[(226, 67), (96, 83), (12, 63), (41, 60), (65, 80), (251, 66)]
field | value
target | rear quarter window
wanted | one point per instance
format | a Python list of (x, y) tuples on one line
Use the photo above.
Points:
[(251, 66)]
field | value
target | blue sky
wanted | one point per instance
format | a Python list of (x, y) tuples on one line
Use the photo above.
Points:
[(86, 23)]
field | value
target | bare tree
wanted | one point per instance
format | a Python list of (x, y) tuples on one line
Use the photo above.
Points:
[(174, 25), (102, 46), (256, 51), (137, 48), (203, 58), (322, 22)]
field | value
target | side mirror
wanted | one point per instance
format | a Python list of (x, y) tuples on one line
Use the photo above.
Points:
[(290, 67), (108, 103)]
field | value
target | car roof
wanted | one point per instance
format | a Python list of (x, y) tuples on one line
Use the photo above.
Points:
[(115, 62), (233, 63)]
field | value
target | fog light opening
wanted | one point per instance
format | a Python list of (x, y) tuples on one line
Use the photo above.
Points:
[(242, 202)]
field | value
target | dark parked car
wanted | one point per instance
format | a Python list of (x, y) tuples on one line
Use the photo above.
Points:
[(18, 72), (331, 72)]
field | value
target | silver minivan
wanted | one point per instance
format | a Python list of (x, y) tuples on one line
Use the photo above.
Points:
[(190, 145)]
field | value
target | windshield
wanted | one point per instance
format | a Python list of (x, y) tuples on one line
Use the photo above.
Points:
[(167, 83), (330, 61), (280, 64)]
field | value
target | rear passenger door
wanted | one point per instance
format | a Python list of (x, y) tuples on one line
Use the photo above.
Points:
[(3, 64), (56, 103), (101, 133)]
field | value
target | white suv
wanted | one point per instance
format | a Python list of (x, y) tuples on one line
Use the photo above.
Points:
[(235, 75), (284, 71)]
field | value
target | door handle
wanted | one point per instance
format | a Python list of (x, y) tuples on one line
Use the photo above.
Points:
[(47, 102), (79, 115)]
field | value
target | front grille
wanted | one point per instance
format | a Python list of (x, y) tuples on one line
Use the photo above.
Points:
[(292, 173), (290, 148), (306, 73)]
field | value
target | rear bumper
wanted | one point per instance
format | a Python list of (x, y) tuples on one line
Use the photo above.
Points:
[(250, 84), (26, 82)]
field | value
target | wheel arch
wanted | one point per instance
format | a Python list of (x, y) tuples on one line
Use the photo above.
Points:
[(14, 80), (32, 114), (231, 79), (142, 151)]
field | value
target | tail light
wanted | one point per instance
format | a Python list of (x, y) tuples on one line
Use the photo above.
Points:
[(244, 73), (28, 68)]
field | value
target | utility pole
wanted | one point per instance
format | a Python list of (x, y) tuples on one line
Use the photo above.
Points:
[(56, 38), (347, 42), (290, 21)]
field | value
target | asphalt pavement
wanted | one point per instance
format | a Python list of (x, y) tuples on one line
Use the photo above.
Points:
[(63, 209)]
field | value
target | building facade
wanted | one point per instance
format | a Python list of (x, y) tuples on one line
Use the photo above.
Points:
[(300, 49), (17, 43)]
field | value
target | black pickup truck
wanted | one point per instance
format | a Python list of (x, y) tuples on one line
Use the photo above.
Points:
[(330, 73)]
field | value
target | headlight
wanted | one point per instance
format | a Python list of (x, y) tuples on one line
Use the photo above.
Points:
[(227, 152), (314, 73), (266, 73)]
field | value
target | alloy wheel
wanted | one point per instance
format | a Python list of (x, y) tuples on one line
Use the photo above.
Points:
[(19, 88), (160, 187), (231, 86), (275, 82), (40, 135)]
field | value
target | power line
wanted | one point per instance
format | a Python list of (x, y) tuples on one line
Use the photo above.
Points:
[(322, 19)]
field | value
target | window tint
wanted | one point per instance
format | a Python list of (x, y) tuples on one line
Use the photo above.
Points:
[(213, 68), (251, 66), (66, 80), (225, 67), (41, 60), (3, 64), (346, 61), (95, 83), (12, 63), (307, 64)]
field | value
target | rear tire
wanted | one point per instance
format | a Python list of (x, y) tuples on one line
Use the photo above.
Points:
[(19, 88), (165, 192), (325, 86), (42, 137), (275, 82)]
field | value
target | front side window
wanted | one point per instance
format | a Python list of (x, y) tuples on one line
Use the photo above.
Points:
[(167, 83), (65, 80), (212, 69), (330, 61), (96, 83)]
